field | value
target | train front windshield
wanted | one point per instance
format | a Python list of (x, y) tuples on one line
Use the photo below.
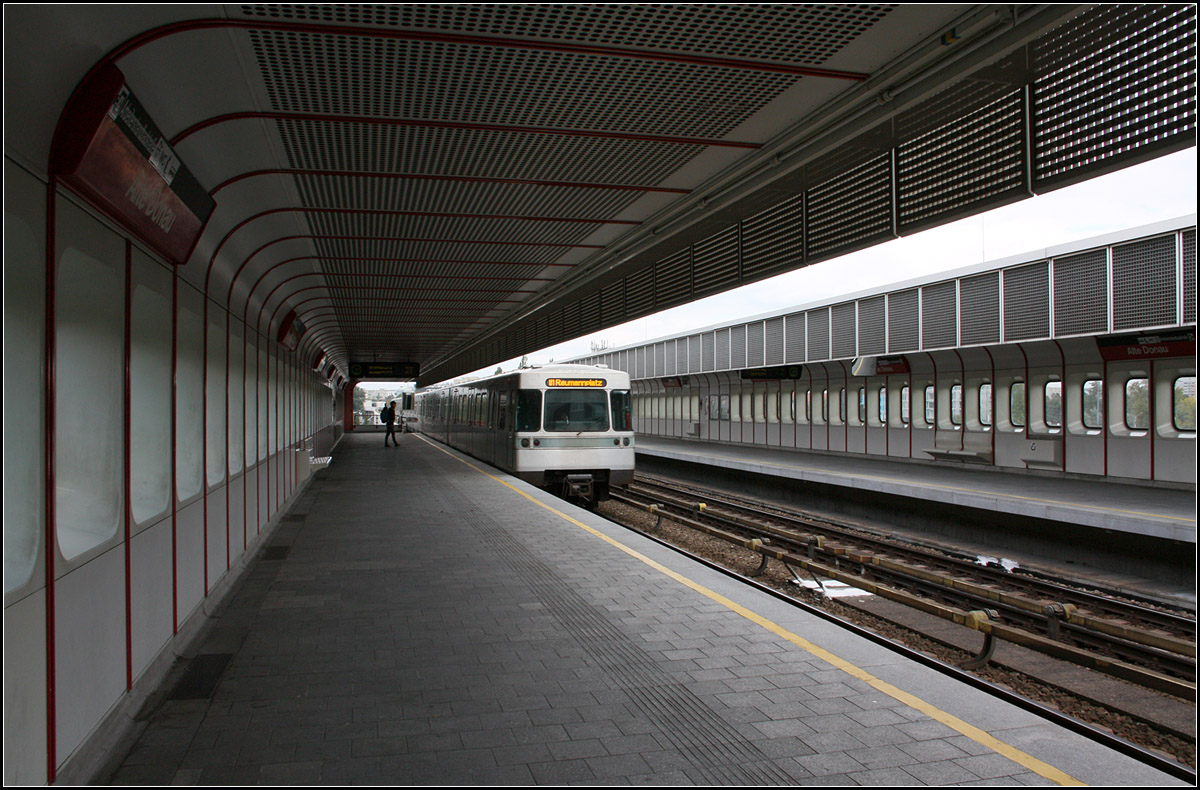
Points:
[(576, 410)]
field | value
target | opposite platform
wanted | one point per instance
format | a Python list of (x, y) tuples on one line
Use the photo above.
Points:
[(437, 622)]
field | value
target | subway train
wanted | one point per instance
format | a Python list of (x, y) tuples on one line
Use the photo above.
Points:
[(565, 428), (1077, 361)]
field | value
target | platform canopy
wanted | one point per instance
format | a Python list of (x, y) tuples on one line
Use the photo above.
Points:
[(450, 186)]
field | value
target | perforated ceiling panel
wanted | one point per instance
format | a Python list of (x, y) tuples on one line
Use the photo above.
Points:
[(458, 184)]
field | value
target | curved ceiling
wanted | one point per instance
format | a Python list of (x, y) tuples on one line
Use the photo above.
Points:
[(424, 183)]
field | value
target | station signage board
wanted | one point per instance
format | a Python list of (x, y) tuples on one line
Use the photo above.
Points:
[(110, 151), (291, 329), (675, 382), (384, 370), (780, 373), (1148, 345), (880, 366)]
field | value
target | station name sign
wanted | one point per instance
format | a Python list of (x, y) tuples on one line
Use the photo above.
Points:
[(384, 370), (576, 382), (1173, 343), (109, 150), (772, 374)]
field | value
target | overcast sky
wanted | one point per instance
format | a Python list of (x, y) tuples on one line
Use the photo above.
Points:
[(1162, 189)]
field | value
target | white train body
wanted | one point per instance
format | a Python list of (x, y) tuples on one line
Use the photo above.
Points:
[(566, 428)]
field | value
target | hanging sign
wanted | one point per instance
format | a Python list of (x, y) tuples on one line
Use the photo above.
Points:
[(291, 329), (384, 370), (109, 150), (772, 374), (1148, 345)]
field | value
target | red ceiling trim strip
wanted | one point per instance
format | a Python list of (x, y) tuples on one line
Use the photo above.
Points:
[(457, 179), (374, 120)]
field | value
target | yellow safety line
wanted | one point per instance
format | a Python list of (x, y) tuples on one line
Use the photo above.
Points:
[(953, 722), (948, 488)]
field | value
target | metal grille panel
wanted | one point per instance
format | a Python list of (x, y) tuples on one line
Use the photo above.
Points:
[(1117, 84), (904, 321), (722, 353), (872, 319), (673, 279), (737, 345), (694, 352), (612, 304), (1144, 287), (979, 309), (1027, 302), (710, 351), (965, 165), (639, 294), (844, 342), (715, 263), (796, 338), (1081, 293), (773, 241), (939, 315), (851, 210), (818, 334), (1189, 276), (774, 341), (754, 344)]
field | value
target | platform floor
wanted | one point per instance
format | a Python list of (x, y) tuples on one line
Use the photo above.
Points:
[(1145, 510), (437, 622)]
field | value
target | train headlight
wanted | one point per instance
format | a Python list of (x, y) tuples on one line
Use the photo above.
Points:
[(524, 442), (626, 441)]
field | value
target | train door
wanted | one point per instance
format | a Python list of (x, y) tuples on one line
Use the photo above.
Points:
[(1130, 420), (856, 415), (877, 415), (505, 433), (771, 404)]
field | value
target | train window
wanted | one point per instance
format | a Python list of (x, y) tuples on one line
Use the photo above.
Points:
[(622, 412), (1137, 404), (1052, 401), (905, 404), (930, 404), (825, 405), (985, 404), (883, 406), (1016, 404), (1185, 403), (724, 407), (576, 410), (841, 415), (529, 410), (808, 405), (1093, 404), (862, 404)]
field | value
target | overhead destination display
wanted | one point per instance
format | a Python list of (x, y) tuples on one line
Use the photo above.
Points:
[(109, 150), (576, 382), (384, 370)]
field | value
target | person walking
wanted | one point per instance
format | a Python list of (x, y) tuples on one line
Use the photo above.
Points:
[(388, 418)]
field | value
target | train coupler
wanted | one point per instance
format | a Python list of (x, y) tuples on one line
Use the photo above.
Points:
[(578, 487)]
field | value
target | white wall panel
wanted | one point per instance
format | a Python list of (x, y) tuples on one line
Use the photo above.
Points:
[(150, 393), (150, 589)]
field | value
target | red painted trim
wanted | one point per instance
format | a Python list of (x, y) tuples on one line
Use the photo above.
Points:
[(455, 179), (225, 473), (204, 441), (993, 427), (962, 374), (1065, 428), (174, 451), (1105, 406), (374, 120), (48, 494), (127, 408), (1153, 392)]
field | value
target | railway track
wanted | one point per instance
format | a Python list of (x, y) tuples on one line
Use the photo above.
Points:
[(1138, 642)]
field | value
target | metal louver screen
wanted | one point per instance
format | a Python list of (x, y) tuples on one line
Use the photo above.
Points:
[(774, 329), (1027, 302), (612, 304), (939, 315), (871, 326), (589, 313), (904, 321), (694, 353), (1081, 293), (975, 160), (844, 342), (737, 346), (754, 344), (796, 338), (850, 211), (1115, 85), (664, 353), (1144, 287), (639, 294), (818, 334), (979, 309), (710, 351), (773, 241), (715, 263), (681, 358), (673, 279), (722, 353), (1189, 276)]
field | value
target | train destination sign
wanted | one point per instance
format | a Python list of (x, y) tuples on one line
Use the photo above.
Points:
[(576, 382), (1171, 343), (109, 150), (384, 370)]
